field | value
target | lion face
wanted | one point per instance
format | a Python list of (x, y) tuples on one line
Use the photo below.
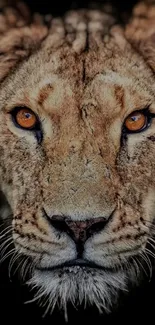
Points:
[(80, 183)]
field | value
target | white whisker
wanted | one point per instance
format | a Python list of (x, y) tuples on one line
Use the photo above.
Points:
[(24, 268), (152, 245), (6, 256), (19, 264), (141, 265), (5, 248), (148, 263), (151, 239), (11, 263), (150, 253), (4, 243), (5, 232)]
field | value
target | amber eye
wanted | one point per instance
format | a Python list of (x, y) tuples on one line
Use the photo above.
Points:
[(136, 121), (25, 118)]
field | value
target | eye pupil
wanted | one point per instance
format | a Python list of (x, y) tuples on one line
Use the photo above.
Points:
[(27, 115), (134, 118), (25, 118), (136, 121)]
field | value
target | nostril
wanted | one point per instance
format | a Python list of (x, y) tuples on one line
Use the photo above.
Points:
[(97, 227), (80, 230), (59, 223)]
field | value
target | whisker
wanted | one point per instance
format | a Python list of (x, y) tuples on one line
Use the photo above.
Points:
[(17, 255), (141, 265), (6, 256), (149, 224), (27, 270), (5, 231), (32, 266), (2, 251), (148, 263), (5, 242), (11, 262), (19, 264), (151, 239), (136, 266), (23, 268), (152, 245), (150, 253)]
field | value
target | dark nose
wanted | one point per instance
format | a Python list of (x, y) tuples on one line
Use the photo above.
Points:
[(79, 231)]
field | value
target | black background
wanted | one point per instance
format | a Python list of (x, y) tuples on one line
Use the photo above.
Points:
[(59, 7)]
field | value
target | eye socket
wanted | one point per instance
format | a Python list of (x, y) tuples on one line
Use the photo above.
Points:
[(137, 121), (24, 118)]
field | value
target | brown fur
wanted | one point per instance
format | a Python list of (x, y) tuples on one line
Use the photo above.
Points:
[(82, 80)]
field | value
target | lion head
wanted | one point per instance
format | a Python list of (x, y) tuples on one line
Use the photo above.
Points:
[(77, 147)]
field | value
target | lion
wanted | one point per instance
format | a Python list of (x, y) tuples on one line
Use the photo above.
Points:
[(77, 147)]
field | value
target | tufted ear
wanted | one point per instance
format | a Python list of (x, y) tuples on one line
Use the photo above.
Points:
[(141, 30), (20, 34)]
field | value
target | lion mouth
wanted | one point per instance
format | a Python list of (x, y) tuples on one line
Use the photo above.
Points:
[(77, 265)]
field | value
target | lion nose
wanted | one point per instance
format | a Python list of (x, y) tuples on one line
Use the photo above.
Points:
[(79, 231)]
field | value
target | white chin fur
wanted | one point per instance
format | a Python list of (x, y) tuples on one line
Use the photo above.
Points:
[(77, 286)]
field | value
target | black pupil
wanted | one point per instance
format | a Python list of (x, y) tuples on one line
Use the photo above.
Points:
[(27, 115)]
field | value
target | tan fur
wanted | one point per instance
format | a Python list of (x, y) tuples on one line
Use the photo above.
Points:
[(82, 80)]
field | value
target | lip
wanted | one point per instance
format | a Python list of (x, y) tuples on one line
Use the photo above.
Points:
[(82, 263)]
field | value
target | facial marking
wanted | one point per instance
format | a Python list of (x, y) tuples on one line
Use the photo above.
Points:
[(82, 85), (44, 93)]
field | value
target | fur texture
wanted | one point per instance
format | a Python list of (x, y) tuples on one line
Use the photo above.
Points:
[(82, 75)]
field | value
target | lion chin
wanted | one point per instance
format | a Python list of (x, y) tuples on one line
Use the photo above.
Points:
[(80, 283), (78, 286)]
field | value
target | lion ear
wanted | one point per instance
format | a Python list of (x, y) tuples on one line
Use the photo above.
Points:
[(20, 34), (140, 31)]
